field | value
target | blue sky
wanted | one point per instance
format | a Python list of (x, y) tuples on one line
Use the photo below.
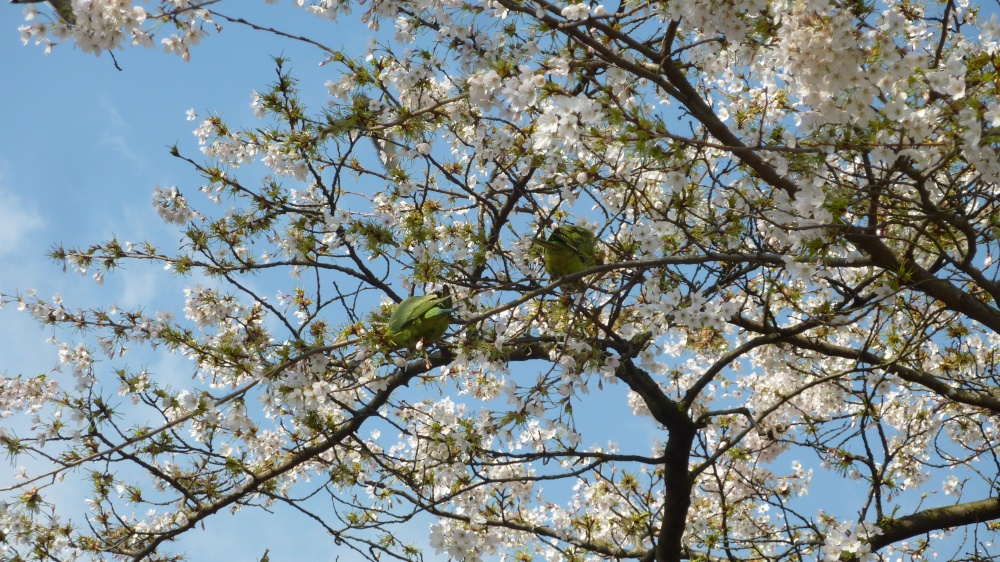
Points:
[(81, 148), (83, 145)]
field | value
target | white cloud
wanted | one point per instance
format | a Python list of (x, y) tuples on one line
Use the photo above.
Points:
[(17, 220), (116, 132)]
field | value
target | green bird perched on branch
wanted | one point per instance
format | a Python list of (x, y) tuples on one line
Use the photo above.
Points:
[(425, 318), (63, 7), (568, 250)]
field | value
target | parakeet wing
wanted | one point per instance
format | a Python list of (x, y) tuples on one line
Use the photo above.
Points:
[(415, 308), (577, 239), (417, 319), (568, 250)]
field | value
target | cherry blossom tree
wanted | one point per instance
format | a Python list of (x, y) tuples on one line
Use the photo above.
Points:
[(796, 207)]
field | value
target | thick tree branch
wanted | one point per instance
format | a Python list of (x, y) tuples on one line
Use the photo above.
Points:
[(912, 275), (679, 483), (935, 519), (988, 401)]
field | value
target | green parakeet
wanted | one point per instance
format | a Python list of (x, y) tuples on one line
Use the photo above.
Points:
[(63, 7), (569, 249), (423, 318)]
